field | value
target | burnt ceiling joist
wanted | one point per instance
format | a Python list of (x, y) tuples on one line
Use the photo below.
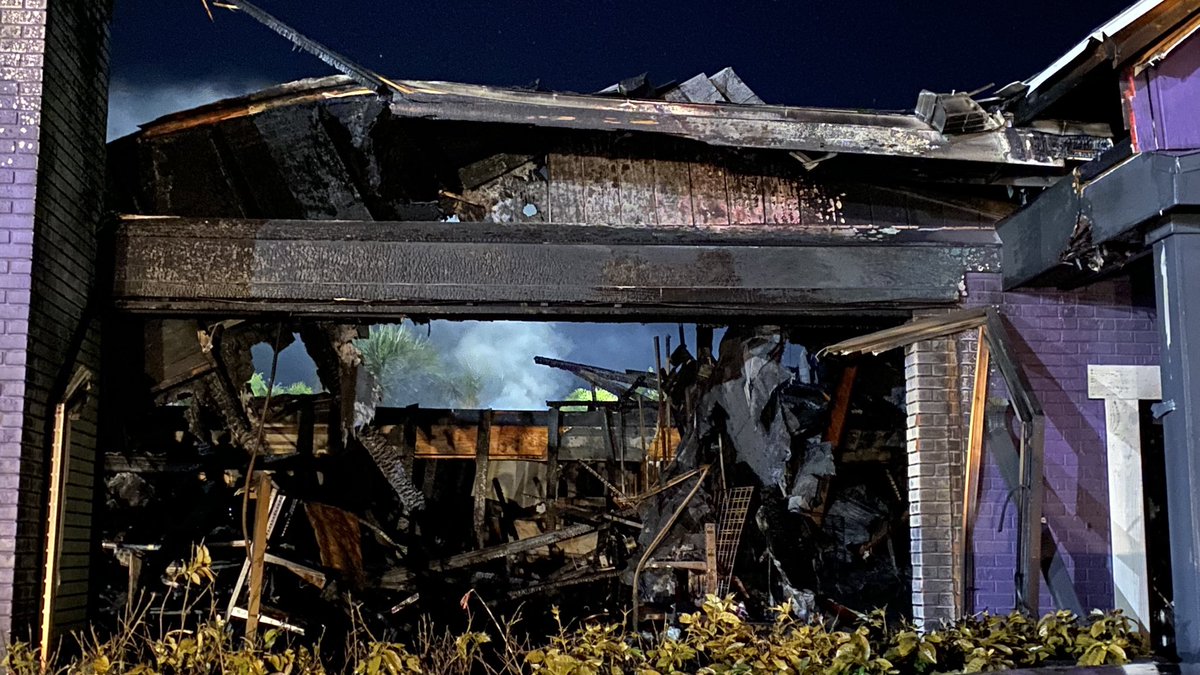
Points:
[(326, 268)]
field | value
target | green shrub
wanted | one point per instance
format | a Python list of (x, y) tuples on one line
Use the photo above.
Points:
[(714, 640)]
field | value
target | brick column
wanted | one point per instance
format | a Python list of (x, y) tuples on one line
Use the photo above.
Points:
[(935, 433), (51, 191), (22, 43)]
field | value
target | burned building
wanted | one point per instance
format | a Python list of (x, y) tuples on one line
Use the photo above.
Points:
[(880, 472), (333, 205)]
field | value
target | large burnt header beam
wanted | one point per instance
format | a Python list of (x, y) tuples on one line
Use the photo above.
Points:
[(324, 268)]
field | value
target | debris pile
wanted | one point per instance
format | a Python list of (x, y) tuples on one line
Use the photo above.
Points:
[(726, 473)]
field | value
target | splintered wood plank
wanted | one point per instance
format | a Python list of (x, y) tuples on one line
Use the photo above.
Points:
[(566, 188), (710, 558), (745, 198), (781, 205), (637, 191), (974, 462), (339, 538), (673, 193), (710, 197), (258, 551), (601, 197), (59, 469)]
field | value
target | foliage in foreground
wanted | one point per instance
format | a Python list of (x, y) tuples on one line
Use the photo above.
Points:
[(713, 640)]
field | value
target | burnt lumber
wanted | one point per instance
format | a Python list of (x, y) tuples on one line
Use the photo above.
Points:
[(399, 578), (481, 477), (395, 268), (971, 478), (390, 460), (257, 553)]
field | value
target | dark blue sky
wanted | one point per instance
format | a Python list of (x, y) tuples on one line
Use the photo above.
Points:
[(841, 53)]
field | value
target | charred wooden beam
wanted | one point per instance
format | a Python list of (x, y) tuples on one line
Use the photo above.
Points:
[(390, 460), (331, 347), (398, 578), (482, 444), (257, 554), (308, 574), (757, 126), (601, 575), (330, 268)]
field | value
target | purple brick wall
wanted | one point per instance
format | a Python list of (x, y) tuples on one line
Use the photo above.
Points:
[(63, 336), (53, 96), (22, 42), (1057, 335)]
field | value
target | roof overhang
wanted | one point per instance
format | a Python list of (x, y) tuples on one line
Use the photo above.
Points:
[(1117, 42), (770, 127), (754, 126), (1116, 205)]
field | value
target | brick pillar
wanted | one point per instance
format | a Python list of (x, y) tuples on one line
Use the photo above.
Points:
[(22, 43), (53, 97), (935, 432)]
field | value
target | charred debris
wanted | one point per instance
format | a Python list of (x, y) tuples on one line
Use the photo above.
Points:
[(722, 472)]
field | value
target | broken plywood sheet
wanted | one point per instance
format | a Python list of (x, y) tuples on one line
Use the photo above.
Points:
[(339, 538), (173, 355)]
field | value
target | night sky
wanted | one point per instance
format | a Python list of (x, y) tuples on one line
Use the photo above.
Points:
[(838, 53), (168, 56)]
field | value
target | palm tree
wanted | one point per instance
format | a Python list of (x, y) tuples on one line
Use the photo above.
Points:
[(409, 367)]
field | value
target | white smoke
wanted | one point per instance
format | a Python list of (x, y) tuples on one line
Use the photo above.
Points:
[(132, 104), (502, 352)]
